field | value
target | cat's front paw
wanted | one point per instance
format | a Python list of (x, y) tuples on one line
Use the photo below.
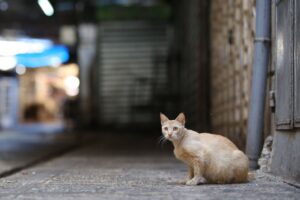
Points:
[(182, 182), (196, 181)]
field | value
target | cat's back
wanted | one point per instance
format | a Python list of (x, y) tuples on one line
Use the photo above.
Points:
[(216, 140), (212, 140), (213, 146)]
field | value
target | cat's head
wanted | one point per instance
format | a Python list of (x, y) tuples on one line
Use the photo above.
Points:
[(172, 129)]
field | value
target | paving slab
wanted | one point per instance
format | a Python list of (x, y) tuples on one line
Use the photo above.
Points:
[(121, 167)]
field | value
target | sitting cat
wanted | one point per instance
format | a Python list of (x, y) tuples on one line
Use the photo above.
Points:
[(210, 158)]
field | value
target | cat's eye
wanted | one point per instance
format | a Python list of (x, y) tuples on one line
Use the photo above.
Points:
[(175, 128), (166, 128)]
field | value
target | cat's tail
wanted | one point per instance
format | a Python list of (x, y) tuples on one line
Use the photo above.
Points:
[(251, 176)]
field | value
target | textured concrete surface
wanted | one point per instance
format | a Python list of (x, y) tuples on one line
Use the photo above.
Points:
[(127, 168), (285, 157), (19, 149)]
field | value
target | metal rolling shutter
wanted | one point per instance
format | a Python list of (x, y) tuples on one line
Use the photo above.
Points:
[(132, 60)]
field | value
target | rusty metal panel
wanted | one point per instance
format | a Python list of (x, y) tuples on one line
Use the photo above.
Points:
[(297, 65), (284, 64)]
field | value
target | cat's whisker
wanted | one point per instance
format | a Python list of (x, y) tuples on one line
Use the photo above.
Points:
[(162, 140)]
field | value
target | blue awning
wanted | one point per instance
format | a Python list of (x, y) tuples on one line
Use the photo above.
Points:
[(52, 56)]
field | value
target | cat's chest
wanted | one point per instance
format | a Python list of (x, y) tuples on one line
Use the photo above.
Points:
[(183, 155)]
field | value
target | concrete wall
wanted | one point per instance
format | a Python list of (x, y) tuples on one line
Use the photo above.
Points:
[(231, 59), (285, 155)]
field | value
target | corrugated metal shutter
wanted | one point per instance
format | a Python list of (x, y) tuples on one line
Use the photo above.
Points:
[(132, 58)]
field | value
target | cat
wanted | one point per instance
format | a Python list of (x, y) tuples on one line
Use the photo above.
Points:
[(210, 158)]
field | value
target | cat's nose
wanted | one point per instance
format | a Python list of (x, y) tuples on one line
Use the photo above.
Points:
[(169, 135)]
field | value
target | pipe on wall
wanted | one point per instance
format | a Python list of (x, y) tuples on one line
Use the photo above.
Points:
[(259, 81)]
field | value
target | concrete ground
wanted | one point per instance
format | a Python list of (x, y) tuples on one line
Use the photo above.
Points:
[(19, 149), (127, 167)]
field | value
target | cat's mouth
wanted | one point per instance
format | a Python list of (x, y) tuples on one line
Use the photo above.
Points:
[(169, 137)]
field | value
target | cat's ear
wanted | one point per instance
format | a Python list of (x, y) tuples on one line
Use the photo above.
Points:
[(181, 118), (163, 118)]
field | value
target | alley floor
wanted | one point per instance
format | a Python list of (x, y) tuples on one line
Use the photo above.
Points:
[(127, 167)]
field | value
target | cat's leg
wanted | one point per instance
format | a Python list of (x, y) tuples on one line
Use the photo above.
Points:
[(197, 178), (189, 176), (190, 173)]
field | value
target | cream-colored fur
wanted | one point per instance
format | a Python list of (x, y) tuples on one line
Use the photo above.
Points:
[(211, 158)]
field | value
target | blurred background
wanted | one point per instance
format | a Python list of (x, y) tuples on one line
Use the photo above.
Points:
[(109, 67), (115, 64)]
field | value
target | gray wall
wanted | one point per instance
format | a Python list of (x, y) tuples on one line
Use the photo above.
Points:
[(286, 146), (285, 155)]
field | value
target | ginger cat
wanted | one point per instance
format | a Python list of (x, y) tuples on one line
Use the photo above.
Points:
[(210, 158)]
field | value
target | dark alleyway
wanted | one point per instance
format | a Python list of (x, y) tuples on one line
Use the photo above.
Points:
[(126, 167), (82, 83)]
